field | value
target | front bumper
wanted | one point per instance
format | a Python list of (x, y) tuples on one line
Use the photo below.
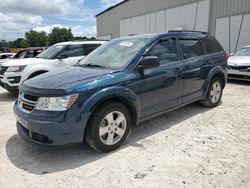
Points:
[(11, 79), (50, 128), (238, 75), (13, 89)]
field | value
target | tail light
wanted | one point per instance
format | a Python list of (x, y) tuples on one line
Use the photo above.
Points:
[(226, 56)]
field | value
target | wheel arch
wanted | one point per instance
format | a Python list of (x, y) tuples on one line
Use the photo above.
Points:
[(215, 72), (118, 94), (120, 99)]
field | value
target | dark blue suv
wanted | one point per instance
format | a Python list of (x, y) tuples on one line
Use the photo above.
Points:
[(124, 82)]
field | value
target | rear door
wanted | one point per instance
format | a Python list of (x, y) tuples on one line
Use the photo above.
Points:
[(194, 70)]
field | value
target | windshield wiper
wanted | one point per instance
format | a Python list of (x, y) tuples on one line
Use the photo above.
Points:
[(92, 65)]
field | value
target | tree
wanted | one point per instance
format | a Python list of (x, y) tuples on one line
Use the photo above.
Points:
[(60, 35), (81, 38), (36, 39), (18, 43)]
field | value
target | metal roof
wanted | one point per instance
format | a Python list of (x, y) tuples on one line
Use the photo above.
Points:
[(106, 10)]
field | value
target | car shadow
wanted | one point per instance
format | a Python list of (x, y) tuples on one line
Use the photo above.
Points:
[(239, 82), (37, 160), (7, 97)]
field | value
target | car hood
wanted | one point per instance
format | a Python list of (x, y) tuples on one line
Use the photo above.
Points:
[(239, 60), (25, 61), (58, 82), (4, 60)]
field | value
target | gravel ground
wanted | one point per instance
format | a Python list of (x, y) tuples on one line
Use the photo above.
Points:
[(189, 147)]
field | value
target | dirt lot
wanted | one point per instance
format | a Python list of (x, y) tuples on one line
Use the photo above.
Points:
[(190, 147)]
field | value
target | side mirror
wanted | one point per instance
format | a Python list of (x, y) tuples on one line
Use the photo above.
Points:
[(148, 62), (80, 59), (63, 56)]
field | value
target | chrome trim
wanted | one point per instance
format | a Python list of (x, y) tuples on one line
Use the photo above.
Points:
[(22, 100)]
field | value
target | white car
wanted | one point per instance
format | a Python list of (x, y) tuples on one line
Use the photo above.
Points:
[(239, 65), (6, 57), (15, 72)]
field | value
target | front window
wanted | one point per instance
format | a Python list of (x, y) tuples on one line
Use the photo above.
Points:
[(243, 52), (166, 51), (73, 51), (115, 54), (51, 52)]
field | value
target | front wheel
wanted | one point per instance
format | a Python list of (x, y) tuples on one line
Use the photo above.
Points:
[(214, 93), (108, 127)]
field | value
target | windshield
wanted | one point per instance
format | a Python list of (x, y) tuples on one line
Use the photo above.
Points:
[(51, 52), (243, 52), (115, 54)]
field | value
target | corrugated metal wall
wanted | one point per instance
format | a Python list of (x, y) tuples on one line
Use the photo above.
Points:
[(224, 8), (108, 23)]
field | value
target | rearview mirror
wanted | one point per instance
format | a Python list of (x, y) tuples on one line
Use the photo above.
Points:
[(148, 62)]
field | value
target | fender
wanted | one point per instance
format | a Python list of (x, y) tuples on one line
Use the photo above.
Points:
[(215, 71), (125, 94)]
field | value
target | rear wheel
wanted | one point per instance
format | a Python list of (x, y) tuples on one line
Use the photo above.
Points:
[(108, 127), (214, 93)]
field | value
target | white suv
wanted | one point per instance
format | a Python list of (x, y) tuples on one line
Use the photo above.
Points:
[(15, 72)]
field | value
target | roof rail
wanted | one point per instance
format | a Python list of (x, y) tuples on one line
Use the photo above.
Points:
[(188, 31)]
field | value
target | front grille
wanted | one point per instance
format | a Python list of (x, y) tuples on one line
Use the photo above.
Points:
[(240, 68), (27, 102), (3, 70)]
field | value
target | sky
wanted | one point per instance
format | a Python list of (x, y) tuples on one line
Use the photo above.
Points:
[(19, 16)]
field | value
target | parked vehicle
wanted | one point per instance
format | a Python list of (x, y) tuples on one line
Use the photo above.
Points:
[(24, 53), (7, 55), (239, 65), (13, 73), (124, 82)]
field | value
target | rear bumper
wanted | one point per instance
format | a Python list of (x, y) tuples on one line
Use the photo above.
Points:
[(51, 130), (238, 75)]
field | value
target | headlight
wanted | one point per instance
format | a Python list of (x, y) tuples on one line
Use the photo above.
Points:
[(15, 69), (55, 103)]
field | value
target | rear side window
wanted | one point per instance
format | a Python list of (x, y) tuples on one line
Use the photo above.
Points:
[(191, 48), (165, 50), (211, 45), (88, 48)]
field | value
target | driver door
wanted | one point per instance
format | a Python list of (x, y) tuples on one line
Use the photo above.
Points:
[(161, 88)]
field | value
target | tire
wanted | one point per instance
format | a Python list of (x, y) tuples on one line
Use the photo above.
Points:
[(104, 133), (214, 94)]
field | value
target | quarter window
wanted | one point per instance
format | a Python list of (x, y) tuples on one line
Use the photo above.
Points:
[(191, 48), (165, 50)]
